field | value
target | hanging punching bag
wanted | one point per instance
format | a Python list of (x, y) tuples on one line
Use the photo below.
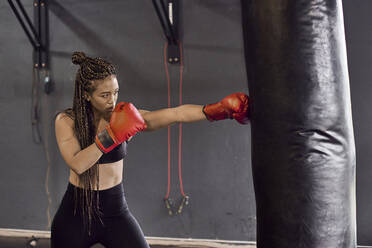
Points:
[(303, 152)]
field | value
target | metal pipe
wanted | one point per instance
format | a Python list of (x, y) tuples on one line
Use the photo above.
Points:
[(36, 35), (161, 21), (169, 25), (36, 44)]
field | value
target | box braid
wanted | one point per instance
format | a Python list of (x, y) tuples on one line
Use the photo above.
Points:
[(85, 130)]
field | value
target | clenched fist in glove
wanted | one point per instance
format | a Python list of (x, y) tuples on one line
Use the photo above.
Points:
[(125, 122), (234, 106)]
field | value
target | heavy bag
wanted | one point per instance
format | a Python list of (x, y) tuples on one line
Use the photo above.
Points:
[(303, 151)]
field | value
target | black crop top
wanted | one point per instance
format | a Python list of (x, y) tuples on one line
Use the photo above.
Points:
[(115, 155)]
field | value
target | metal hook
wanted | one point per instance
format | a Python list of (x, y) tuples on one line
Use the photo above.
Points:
[(185, 202), (168, 204)]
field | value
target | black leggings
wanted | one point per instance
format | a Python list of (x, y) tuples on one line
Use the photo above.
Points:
[(117, 229)]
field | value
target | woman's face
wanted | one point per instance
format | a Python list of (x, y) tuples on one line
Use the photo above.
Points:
[(104, 98)]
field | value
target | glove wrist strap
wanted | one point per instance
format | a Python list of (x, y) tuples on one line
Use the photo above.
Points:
[(105, 140)]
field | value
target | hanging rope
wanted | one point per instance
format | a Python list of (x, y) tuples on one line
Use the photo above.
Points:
[(37, 138), (35, 106)]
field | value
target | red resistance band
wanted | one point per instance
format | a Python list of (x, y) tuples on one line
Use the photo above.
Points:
[(167, 200)]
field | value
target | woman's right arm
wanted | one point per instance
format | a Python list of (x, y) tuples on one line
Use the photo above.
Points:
[(78, 160)]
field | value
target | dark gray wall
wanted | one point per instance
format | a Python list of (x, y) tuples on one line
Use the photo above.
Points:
[(216, 159), (216, 156)]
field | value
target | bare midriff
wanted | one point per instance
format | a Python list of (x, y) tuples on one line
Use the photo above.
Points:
[(110, 175)]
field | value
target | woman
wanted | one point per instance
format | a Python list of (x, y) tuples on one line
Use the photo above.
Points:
[(92, 137)]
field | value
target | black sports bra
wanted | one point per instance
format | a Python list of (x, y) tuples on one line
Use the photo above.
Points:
[(115, 155)]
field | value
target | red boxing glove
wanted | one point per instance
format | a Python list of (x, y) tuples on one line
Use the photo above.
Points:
[(234, 106), (125, 122)]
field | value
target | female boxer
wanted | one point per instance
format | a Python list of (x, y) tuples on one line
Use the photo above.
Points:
[(92, 137)]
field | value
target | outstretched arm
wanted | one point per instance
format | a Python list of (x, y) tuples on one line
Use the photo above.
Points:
[(234, 106), (164, 117)]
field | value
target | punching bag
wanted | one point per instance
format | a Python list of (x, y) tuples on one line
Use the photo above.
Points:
[(303, 151)]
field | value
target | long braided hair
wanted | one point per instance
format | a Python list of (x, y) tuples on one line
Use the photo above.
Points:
[(85, 128)]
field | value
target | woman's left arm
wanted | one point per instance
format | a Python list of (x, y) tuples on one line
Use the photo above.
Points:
[(164, 117)]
